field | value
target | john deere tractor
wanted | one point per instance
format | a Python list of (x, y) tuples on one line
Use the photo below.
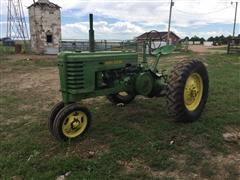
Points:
[(121, 77)]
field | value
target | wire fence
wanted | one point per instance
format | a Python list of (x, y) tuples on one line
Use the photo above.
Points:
[(101, 45), (104, 45), (233, 46)]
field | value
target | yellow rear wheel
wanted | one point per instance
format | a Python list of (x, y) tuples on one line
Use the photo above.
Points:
[(193, 91)]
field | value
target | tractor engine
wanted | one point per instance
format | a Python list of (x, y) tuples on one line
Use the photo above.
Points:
[(85, 75)]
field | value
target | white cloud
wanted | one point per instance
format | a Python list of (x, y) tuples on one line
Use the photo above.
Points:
[(147, 14), (157, 12), (126, 27), (103, 30), (149, 11)]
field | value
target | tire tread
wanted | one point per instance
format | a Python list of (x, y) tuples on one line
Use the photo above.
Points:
[(176, 83)]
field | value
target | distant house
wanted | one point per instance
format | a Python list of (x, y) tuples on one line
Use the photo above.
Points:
[(159, 36), (208, 43), (158, 39)]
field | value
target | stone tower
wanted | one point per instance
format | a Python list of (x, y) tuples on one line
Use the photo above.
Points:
[(45, 27)]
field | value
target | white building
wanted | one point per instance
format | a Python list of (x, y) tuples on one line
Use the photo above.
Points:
[(207, 43)]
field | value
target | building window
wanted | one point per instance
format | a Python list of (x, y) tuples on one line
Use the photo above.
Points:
[(51, 12), (49, 38)]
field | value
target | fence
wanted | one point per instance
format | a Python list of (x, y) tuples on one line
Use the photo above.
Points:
[(103, 45), (233, 46)]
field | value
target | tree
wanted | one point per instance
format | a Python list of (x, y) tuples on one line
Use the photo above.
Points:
[(221, 40), (194, 39), (211, 39), (186, 38), (202, 40)]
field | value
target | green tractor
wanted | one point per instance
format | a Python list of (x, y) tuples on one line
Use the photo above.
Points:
[(120, 77)]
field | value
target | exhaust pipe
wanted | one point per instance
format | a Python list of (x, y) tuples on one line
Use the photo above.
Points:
[(91, 34)]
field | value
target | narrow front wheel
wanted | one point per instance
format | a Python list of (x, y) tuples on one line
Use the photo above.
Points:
[(72, 123), (52, 115)]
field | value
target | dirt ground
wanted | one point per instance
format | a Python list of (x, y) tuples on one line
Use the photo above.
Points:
[(207, 49)]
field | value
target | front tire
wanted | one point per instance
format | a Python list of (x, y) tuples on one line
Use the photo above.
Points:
[(52, 115), (72, 123), (187, 90)]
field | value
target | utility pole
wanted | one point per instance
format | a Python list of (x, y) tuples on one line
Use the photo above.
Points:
[(235, 18), (169, 20)]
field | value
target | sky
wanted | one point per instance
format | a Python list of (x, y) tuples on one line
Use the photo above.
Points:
[(126, 19)]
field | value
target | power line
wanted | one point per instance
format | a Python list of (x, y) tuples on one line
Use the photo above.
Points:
[(149, 1), (207, 13), (144, 1)]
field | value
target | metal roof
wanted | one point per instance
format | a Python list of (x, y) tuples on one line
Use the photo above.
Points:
[(155, 35), (42, 3)]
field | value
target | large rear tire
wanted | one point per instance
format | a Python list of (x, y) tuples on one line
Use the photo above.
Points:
[(187, 90)]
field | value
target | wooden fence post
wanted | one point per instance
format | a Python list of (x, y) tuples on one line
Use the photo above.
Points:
[(228, 48)]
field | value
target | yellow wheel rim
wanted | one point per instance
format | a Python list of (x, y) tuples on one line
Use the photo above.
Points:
[(123, 93), (74, 124), (193, 91)]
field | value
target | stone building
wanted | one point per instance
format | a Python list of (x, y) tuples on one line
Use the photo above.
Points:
[(45, 27)]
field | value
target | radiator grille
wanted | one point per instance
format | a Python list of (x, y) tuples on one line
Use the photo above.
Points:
[(75, 75)]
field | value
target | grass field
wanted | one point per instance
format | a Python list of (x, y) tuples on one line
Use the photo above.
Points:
[(138, 141), (6, 50)]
